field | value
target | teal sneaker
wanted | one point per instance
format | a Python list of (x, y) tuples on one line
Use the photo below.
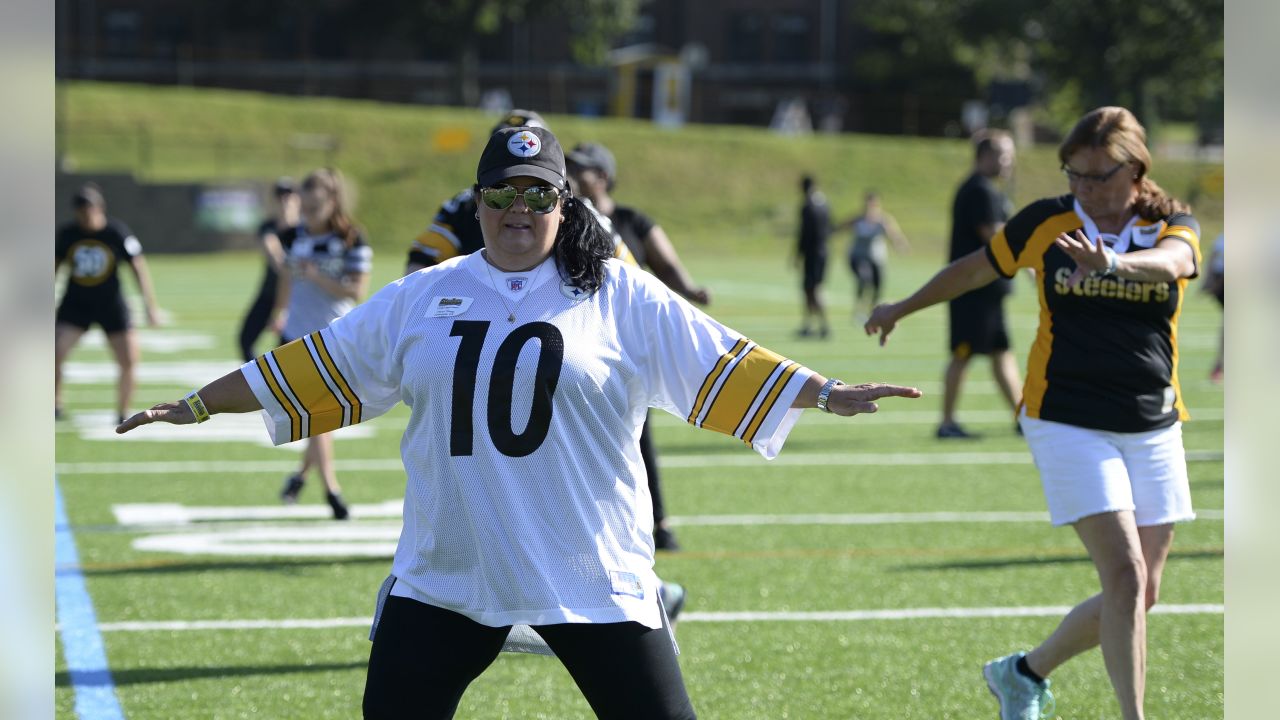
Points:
[(1021, 698)]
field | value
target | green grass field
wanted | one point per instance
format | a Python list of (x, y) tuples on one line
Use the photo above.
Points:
[(865, 668), (752, 543)]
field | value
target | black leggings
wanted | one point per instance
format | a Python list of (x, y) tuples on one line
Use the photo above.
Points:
[(424, 657), (255, 321), (650, 459)]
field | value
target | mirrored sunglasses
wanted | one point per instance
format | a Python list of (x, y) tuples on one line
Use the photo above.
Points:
[(539, 198)]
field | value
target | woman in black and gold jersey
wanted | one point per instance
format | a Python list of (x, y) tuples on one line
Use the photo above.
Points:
[(95, 246), (1102, 410)]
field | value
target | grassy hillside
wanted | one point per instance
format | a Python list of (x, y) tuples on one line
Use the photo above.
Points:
[(716, 189)]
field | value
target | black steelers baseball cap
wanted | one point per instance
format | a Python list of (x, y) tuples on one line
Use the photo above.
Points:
[(517, 151), (88, 195), (519, 118)]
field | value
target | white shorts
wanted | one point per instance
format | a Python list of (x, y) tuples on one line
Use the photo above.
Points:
[(1085, 472)]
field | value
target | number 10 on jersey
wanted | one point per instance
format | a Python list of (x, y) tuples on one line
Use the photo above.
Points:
[(502, 380)]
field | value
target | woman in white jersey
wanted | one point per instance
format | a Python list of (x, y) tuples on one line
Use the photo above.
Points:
[(529, 368), (326, 272)]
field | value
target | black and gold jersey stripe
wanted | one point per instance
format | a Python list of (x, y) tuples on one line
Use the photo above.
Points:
[(307, 383), (741, 390)]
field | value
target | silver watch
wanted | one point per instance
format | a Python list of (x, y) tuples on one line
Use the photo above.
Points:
[(825, 394)]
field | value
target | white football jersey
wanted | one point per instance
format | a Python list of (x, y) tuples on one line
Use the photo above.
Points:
[(526, 500)]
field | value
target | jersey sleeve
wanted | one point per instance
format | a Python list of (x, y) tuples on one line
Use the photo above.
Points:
[(1184, 227), (713, 378), (1007, 250), (440, 241), (344, 374), (129, 241), (358, 258)]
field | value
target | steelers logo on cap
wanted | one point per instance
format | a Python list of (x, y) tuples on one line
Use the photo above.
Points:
[(524, 144)]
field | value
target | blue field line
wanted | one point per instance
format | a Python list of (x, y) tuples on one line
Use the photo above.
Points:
[(82, 647)]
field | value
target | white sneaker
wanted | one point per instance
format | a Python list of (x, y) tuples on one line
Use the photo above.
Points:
[(1021, 698)]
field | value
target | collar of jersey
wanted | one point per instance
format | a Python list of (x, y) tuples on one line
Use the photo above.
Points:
[(1122, 240), (491, 276)]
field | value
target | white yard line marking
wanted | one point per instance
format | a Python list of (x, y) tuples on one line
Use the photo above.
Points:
[(100, 425), (141, 515), (175, 533), (156, 341), (744, 616), (670, 460), (194, 374)]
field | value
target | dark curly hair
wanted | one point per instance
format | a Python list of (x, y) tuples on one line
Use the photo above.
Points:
[(582, 246)]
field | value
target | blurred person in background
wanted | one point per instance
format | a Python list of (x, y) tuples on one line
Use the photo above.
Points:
[(94, 247), (976, 318), (325, 273), (285, 215), (548, 526), (811, 256), (1215, 285), (593, 171), (868, 253), (1102, 410)]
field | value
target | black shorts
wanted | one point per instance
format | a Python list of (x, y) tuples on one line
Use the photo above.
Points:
[(868, 273), (424, 657), (814, 270), (112, 316), (977, 327)]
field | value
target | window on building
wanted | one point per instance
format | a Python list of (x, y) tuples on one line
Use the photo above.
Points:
[(791, 39), (121, 33), (746, 38)]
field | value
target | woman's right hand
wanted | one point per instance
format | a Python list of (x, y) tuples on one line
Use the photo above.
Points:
[(174, 413), (884, 318)]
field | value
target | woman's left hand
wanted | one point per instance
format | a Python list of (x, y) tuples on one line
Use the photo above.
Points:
[(849, 400), (1090, 257)]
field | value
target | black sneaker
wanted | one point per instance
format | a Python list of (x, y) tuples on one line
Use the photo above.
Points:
[(952, 431), (292, 486), (664, 539), (340, 511), (673, 595)]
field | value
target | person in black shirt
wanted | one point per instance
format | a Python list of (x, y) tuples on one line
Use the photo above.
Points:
[(94, 246), (811, 254), (1102, 409), (285, 216), (593, 171), (977, 317)]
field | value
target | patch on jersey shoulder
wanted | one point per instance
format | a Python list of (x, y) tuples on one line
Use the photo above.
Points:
[(625, 583), (573, 292), (448, 306)]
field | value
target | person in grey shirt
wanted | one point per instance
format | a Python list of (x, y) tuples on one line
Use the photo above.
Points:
[(325, 274)]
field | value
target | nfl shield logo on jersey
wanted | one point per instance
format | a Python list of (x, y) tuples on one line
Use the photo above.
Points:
[(515, 284)]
